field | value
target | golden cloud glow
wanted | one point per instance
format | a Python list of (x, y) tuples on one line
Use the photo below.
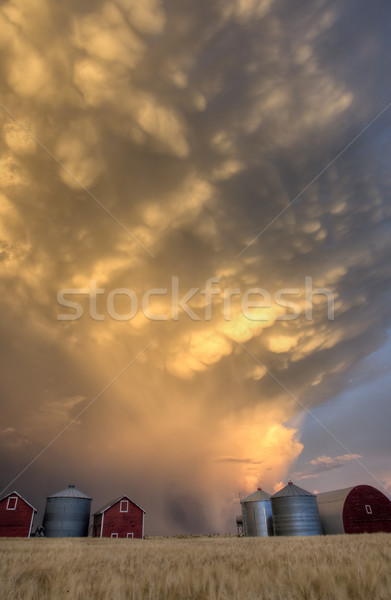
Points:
[(195, 126)]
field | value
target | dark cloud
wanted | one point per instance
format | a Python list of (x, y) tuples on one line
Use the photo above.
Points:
[(187, 515)]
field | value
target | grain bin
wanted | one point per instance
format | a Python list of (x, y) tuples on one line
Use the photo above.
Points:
[(358, 509), (295, 512), (67, 514), (257, 514)]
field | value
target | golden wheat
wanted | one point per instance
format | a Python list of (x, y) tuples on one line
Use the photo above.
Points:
[(200, 568)]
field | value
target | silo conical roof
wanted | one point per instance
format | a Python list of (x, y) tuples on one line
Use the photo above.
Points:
[(257, 496), (292, 490), (70, 492)]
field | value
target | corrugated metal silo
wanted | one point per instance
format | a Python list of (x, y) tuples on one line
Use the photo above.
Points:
[(67, 514), (358, 509), (295, 512), (257, 514)]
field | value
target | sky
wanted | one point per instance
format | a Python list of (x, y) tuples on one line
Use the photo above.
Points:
[(195, 245)]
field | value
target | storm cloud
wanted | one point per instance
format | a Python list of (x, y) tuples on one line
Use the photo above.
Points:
[(157, 146)]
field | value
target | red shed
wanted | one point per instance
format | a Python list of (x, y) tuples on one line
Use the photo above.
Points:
[(358, 509), (120, 518), (16, 516)]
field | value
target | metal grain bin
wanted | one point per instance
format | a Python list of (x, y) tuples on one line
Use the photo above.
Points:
[(67, 514), (257, 514), (295, 512)]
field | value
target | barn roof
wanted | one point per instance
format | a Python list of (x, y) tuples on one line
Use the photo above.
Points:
[(292, 490), (109, 504), (20, 496), (70, 492), (341, 495), (334, 495)]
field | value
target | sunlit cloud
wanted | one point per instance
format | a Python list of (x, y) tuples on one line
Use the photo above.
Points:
[(195, 126), (323, 464)]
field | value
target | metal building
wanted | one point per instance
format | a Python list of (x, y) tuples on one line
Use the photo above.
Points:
[(67, 514), (16, 516), (358, 509), (295, 512), (257, 514)]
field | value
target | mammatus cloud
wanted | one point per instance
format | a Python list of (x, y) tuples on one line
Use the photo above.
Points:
[(194, 125)]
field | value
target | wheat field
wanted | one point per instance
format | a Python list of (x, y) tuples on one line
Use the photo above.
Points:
[(356, 567)]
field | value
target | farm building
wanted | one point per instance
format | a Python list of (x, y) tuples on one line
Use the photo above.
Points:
[(120, 518), (257, 517), (16, 516), (67, 514), (295, 512), (358, 509)]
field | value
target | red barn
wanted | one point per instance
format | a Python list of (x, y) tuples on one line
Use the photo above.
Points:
[(358, 509), (120, 518), (16, 516)]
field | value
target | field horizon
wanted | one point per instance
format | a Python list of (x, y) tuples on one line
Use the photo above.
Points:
[(216, 567)]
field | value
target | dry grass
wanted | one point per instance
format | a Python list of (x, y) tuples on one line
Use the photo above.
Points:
[(222, 568)]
